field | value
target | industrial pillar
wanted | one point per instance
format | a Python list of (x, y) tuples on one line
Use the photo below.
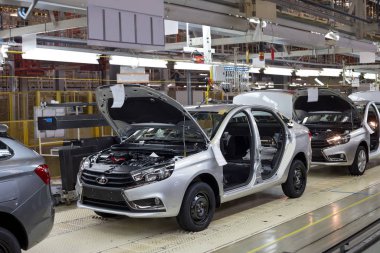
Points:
[(189, 89)]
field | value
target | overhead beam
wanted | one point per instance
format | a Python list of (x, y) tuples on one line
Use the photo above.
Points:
[(73, 6), (205, 17), (43, 28), (300, 53)]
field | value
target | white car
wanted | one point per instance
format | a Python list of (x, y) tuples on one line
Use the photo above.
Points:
[(343, 134), (184, 162)]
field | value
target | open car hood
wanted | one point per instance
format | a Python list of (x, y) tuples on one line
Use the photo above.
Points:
[(328, 100), (142, 106)]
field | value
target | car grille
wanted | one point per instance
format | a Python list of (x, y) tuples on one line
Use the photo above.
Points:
[(114, 205), (317, 156), (117, 180), (319, 144)]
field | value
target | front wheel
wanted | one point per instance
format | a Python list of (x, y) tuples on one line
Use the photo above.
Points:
[(360, 163), (8, 242), (198, 207), (296, 183)]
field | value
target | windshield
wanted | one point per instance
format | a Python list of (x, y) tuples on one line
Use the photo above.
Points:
[(209, 121), (327, 117), (170, 134)]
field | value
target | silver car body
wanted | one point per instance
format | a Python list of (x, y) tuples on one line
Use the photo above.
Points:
[(322, 155), (25, 200), (207, 163)]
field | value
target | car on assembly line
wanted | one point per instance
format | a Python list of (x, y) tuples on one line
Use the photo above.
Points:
[(366, 96), (342, 134), (184, 162), (26, 205)]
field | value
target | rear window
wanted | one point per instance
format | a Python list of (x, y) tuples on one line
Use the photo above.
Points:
[(5, 151)]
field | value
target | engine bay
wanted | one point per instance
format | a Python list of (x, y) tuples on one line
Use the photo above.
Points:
[(131, 159)]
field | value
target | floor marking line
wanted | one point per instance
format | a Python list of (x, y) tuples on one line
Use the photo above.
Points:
[(313, 223), (358, 193)]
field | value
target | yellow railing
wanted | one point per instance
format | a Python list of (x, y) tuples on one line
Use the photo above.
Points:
[(17, 111)]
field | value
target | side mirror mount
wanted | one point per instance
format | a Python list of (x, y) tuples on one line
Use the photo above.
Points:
[(5, 153), (290, 124), (3, 129)]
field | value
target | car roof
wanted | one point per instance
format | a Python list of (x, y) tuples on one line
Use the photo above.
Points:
[(212, 108)]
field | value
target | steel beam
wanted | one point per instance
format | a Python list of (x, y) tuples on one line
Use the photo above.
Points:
[(300, 53), (43, 28)]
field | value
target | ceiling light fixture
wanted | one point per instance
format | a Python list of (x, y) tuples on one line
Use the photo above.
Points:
[(330, 72), (370, 76), (307, 72), (45, 54), (278, 71), (254, 70), (192, 66), (137, 62), (332, 35)]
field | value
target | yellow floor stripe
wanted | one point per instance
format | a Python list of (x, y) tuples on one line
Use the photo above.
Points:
[(312, 224)]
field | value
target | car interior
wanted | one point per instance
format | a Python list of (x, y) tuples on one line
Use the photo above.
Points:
[(372, 121), (236, 149), (272, 141)]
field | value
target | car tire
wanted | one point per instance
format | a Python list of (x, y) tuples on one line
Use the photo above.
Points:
[(198, 207), (359, 165), (296, 182), (105, 215), (8, 242)]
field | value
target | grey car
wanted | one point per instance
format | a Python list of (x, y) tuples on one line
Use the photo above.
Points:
[(184, 162), (26, 205), (343, 133)]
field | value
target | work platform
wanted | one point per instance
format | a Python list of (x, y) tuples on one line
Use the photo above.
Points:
[(333, 209)]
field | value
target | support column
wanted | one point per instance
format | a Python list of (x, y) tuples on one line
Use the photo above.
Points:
[(189, 89)]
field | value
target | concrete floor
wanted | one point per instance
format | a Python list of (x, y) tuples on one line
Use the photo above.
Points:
[(263, 222)]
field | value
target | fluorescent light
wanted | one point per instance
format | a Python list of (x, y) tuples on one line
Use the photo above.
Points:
[(350, 73), (331, 35), (254, 70), (137, 62), (45, 54), (258, 21), (319, 82), (330, 72), (254, 20), (13, 14), (191, 66), (307, 72), (370, 76), (278, 71)]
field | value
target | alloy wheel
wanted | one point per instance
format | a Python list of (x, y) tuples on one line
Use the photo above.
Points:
[(362, 160)]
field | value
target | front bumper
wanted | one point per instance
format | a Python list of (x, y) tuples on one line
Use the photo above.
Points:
[(339, 155), (168, 194)]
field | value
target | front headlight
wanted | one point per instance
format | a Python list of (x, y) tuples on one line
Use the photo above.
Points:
[(152, 174), (338, 139), (84, 164)]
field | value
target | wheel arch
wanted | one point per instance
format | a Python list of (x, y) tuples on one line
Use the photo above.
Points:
[(211, 181), (302, 157), (365, 145), (12, 224)]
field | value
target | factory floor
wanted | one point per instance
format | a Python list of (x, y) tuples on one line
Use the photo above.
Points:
[(334, 206)]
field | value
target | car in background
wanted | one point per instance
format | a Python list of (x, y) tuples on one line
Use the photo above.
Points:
[(366, 96), (26, 205), (184, 162), (342, 135)]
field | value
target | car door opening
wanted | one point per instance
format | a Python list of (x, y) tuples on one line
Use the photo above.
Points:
[(236, 146), (272, 138)]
